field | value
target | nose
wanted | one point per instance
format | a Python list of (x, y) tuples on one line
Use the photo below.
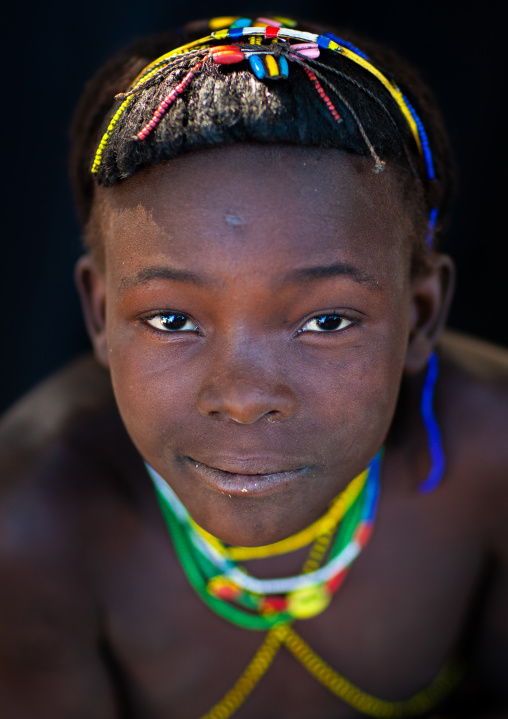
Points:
[(246, 394)]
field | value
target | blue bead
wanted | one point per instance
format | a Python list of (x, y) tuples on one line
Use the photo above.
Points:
[(323, 41), (257, 66), (242, 22), (235, 32), (346, 43), (283, 66)]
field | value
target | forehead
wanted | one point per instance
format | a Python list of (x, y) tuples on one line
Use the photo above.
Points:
[(255, 202)]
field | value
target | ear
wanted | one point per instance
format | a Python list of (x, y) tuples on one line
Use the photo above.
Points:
[(91, 284), (430, 302)]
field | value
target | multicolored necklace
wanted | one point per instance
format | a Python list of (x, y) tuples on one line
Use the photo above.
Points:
[(273, 605), (260, 604)]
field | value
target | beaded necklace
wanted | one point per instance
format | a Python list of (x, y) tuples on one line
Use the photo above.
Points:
[(263, 603), (203, 556)]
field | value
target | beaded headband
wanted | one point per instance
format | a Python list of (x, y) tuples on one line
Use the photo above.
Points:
[(269, 62)]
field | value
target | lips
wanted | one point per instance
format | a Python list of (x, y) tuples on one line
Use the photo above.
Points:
[(245, 477)]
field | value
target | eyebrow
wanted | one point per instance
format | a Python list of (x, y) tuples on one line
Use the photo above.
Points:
[(308, 274), (160, 273)]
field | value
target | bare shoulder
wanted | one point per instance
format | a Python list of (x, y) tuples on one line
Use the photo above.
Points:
[(62, 447), (475, 388), (472, 404), (480, 359), (62, 456), (48, 453), (47, 441), (45, 412)]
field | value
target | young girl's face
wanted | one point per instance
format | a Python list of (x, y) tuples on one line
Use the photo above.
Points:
[(257, 315)]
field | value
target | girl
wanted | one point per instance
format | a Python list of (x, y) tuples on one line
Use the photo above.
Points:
[(293, 502)]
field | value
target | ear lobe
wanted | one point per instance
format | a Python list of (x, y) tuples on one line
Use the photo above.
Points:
[(431, 297), (91, 285)]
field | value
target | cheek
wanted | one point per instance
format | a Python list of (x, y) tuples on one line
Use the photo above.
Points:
[(154, 384), (353, 401)]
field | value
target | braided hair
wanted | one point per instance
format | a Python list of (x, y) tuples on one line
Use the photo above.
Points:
[(223, 103)]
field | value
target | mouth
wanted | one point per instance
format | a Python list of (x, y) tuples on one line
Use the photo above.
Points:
[(246, 477)]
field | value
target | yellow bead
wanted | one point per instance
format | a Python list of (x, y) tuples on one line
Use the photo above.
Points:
[(304, 603), (286, 22), (271, 64), (217, 23)]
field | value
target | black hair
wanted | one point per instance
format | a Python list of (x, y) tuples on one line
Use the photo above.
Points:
[(229, 104)]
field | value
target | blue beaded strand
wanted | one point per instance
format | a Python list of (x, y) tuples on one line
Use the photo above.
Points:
[(433, 432), (346, 43)]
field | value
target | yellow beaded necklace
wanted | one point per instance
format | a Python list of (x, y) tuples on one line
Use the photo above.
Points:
[(418, 704)]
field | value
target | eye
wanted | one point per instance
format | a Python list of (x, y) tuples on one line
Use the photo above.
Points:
[(327, 323), (171, 323)]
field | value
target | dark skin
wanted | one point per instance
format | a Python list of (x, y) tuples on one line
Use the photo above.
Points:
[(263, 393)]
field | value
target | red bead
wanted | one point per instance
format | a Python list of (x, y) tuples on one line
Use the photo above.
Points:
[(334, 583), (363, 533), (226, 593), (271, 31), (274, 604), (220, 48), (228, 57)]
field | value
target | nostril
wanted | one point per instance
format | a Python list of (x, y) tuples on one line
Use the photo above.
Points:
[(273, 415), (246, 402)]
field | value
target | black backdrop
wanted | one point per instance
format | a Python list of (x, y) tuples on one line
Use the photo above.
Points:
[(50, 49)]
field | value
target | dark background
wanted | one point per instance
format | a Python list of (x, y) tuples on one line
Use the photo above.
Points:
[(51, 49)]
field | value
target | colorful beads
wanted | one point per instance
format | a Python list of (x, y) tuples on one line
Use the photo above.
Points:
[(322, 94), (269, 21), (260, 603), (223, 588), (307, 49), (362, 534), (345, 43), (168, 100), (226, 54), (277, 612), (274, 66), (235, 32), (323, 41), (218, 23), (268, 66), (220, 34), (420, 703), (274, 605), (334, 583), (285, 21), (306, 603), (241, 22), (271, 31)]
